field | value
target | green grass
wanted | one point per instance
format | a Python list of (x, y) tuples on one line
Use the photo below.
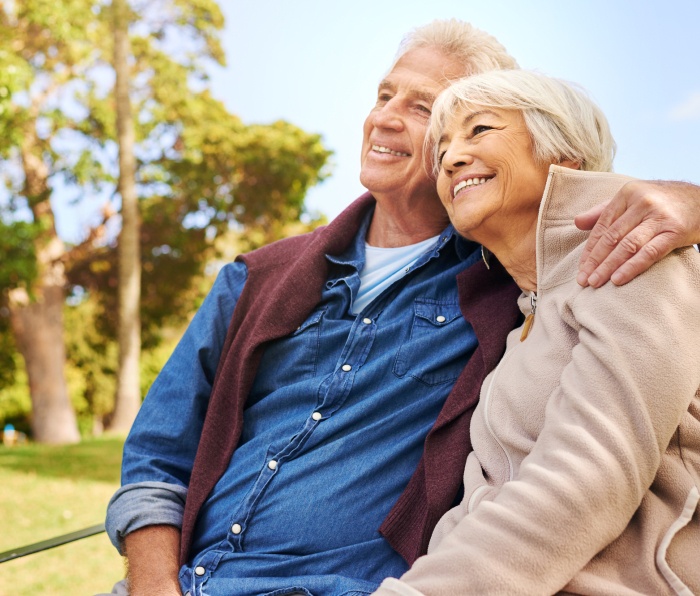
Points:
[(47, 491)]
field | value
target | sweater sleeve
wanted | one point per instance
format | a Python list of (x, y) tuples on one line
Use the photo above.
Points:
[(620, 399)]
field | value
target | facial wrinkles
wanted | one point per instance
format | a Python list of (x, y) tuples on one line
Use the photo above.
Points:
[(401, 128), (393, 163), (503, 152), (416, 93), (513, 163)]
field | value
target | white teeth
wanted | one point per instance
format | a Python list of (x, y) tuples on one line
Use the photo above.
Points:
[(460, 186), (468, 182), (387, 150)]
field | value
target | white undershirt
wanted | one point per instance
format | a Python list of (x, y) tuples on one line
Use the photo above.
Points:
[(384, 266)]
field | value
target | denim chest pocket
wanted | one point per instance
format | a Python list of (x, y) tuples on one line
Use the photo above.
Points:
[(290, 359), (437, 347)]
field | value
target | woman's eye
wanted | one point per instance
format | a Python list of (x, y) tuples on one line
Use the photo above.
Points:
[(441, 154), (479, 128)]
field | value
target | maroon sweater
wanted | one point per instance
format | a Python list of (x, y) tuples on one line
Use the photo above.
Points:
[(284, 284)]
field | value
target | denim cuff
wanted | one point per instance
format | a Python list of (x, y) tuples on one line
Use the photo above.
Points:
[(136, 506)]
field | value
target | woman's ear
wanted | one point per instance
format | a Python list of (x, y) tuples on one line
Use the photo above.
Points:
[(568, 163)]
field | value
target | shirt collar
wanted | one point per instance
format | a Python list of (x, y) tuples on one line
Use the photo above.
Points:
[(354, 256), (463, 247)]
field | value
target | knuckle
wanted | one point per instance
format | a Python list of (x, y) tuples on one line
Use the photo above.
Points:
[(645, 197), (629, 190), (628, 245), (598, 230), (609, 237), (651, 251), (592, 263), (648, 202)]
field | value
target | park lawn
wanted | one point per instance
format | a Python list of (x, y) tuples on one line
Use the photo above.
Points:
[(46, 491)]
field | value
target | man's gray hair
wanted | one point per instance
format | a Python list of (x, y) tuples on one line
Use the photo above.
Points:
[(476, 49), (563, 121)]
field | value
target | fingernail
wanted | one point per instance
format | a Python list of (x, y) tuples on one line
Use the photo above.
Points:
[(594, 280), (616, 278), (582, 278)]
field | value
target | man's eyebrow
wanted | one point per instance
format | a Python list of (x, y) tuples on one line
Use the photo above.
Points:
[(386, 84), (425, 96)]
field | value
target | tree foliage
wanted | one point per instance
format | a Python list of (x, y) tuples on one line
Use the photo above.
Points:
[(201, 172)]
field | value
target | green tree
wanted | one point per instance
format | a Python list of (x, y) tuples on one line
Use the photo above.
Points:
[(45, 47), (128, 394), (200, 172)]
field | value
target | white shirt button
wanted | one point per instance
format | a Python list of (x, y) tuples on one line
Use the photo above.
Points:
[(272, 464), (199, 570), (346, 367), (317, 415), (440, 319), (236, 528), (366, 321)]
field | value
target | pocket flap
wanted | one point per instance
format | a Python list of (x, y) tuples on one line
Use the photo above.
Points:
[(437, 313)]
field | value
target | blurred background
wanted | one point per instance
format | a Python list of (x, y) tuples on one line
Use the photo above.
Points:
[(144, 143), (318, 63)]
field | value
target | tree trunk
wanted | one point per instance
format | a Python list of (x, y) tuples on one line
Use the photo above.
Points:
[(128, 398), (38, 329), (37, 320)]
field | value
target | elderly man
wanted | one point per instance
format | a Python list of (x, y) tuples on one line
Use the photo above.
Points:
[(312, 425)]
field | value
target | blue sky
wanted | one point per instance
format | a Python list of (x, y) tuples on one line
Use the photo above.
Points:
[(317, 63)]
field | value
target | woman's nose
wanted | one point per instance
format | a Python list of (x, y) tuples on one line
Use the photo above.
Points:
[(454, 158)]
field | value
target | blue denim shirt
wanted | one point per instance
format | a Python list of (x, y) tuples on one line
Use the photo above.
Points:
[(333, 430)]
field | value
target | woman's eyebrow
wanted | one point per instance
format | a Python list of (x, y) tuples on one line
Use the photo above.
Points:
[(473, 115)]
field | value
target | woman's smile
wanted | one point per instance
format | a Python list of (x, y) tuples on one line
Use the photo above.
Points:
[(469, 183), (489, 181)]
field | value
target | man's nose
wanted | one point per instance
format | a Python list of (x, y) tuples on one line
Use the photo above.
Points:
[(388, 116)]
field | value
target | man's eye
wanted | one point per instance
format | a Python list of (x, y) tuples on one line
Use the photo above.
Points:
[(424, 109)]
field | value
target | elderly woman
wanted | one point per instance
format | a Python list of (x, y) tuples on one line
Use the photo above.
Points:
[(585, 474)]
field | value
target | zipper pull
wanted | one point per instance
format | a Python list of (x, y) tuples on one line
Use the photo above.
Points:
[(530, 319)]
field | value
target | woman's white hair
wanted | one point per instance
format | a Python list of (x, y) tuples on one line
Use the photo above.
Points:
[(476, 49), (563, 121)]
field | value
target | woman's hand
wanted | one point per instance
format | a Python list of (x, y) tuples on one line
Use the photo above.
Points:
[(642, 223)]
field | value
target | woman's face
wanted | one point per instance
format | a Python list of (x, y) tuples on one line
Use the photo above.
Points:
[(489, 181)]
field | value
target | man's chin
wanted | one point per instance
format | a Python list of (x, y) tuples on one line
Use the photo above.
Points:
[(373, 182)]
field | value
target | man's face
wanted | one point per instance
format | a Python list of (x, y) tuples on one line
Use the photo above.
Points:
[(392, 148)]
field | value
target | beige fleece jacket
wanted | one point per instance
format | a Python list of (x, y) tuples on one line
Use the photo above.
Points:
[(585, 474)]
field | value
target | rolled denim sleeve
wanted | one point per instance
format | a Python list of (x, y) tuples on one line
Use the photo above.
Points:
[(160, 449), (144, 504)]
